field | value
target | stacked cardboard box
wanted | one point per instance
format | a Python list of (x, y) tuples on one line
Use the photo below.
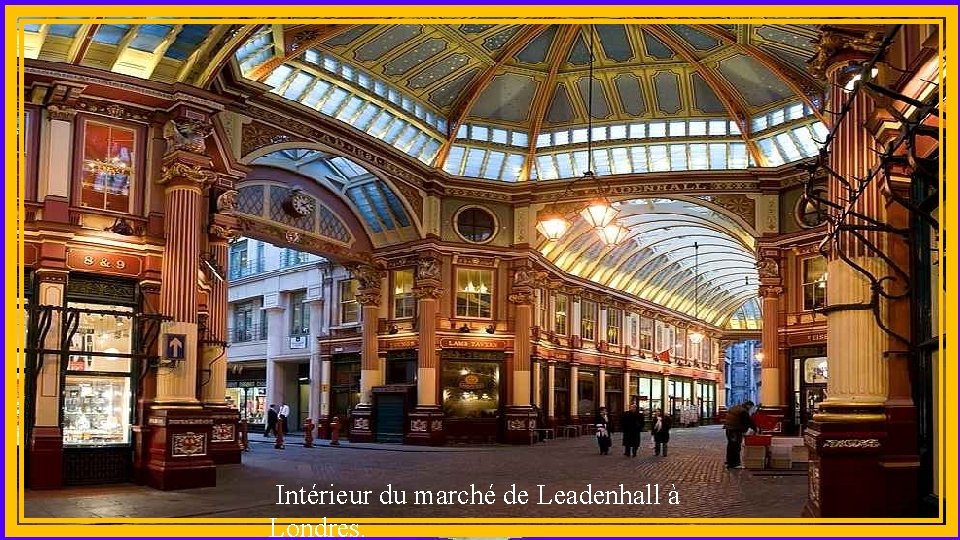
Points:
[(754, 457)]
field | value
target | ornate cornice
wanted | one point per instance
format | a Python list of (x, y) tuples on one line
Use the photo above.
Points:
[(61, 113), (428, 269), (428, 292), (187, 134)]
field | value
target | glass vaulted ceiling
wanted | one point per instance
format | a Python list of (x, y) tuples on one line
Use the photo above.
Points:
[(658, 261), (508, 102)]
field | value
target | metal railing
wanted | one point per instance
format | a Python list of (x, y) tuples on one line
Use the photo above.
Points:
[(249, 267), (245, 334)]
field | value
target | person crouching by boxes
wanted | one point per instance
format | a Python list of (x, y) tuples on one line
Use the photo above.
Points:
[(736, 425)]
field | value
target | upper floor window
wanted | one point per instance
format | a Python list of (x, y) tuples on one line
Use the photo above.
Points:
[(474, 293), (588, 320), (349, 307), (108, 165), (614, 322), (299, 314), (560, 306), (244, 263), (633, 325), (646, 334), (403, 300), (292, 257), (814, 283), (244, 323)]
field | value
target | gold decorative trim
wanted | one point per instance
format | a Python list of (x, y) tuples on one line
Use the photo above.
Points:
[(851, 443), (849, 417)]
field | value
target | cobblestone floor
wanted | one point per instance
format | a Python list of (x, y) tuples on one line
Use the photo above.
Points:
[(694, 468)]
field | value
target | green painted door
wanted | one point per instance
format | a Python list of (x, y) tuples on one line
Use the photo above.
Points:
[(389, 419)]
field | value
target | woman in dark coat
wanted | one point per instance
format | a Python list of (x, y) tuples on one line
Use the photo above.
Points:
[(661, 432), (632, 422), (603, 435)]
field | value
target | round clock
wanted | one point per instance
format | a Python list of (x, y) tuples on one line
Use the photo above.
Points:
[(300, 204)]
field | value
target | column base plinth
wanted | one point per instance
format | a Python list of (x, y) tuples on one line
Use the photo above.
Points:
[(225, 444), (425, 427), (46, 458), (520, 422), (361, 423), (179, 452), (863, 462)]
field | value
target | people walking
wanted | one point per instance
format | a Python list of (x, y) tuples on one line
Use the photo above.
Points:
[(737, 423), (632, 423), (271, 425), (603, 434), (282, 418), (661, 432)]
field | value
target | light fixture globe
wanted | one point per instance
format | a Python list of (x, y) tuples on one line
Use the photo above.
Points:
[(552, 225), (598, 213), (695, 336), (613, 234)]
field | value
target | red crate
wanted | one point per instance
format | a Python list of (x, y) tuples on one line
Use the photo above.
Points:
[(758, 440)]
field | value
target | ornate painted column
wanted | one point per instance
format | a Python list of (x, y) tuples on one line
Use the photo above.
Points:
[(862, 464), (425, 423), (574, 391), (181, 429), (315, 393), (520, 415), (46, 438), (626, 388), (370, 281), (56, 160), (225, 444), (602, 383), (551, 393)]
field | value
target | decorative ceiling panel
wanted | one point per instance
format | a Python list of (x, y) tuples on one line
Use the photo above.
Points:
[(754, 81), (507, 98), (349, 36), (656, 48), (497, 40), (631, 94), (696, 39), (561, 110), (600, 105), (704, 97), (438, 71), (536, 51), (613, 39), (667, 85), (388, 41), (414, 57), (446, 93)]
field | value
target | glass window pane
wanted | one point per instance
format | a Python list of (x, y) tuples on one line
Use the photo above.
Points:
[(734, 128), (499, 136), (278, 76), (738, 156), (474, 162), (546, 168), (519, 138), (658, 158), (638, 158), (543, 140), (563, 137), (618, 132), (795, 111), (511, 171), (564, 166), (620, 161), (601, 162), (678, 157), (96, 410), (297, 86), (718, 156), (494, 162), (580, 162), (657, 129), (777, 117), (718, 127), (479, 133), (337, 97), (638, 131), (788, 147), (600, 133), (366, 116), (678, 129), (108, 166), (462, 131), (454, 159), (698, 156), (697, 128)]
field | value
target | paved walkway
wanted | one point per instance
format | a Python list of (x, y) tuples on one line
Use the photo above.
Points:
[(694, 469)]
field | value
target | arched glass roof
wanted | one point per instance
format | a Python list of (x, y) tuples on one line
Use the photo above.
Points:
[(378, 206), (508, 102), (659, 262), (747, 317)]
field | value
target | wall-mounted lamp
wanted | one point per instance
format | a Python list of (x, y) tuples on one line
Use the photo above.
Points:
[(304, 380), (122, 226), (393, 329), (491, 329), (464, 328), (759, 356)]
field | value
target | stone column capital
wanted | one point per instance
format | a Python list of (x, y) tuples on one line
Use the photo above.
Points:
[(428, 269), (177, 172), (428, 292), (839, 45), (771, 291), (187, 134), (369, 297), (61, 113), (521, 296)]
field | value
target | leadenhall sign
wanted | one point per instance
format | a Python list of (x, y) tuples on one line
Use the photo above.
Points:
[(453, 343)]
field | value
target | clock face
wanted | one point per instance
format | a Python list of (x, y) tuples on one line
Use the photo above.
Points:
[(301, 204)]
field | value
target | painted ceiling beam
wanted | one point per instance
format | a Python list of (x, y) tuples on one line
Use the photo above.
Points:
[(203, 73), (800, 84), (538, 109), (468, 98), (81, 43)]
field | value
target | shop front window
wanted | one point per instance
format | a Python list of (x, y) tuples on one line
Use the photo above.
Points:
[(474, 293), (814, 283), (586, 394), (471, 389), (108, 166), (403, 300), (96, 391)]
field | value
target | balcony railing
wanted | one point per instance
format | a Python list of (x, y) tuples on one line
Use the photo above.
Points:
[(249, 333), (248, 267)]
